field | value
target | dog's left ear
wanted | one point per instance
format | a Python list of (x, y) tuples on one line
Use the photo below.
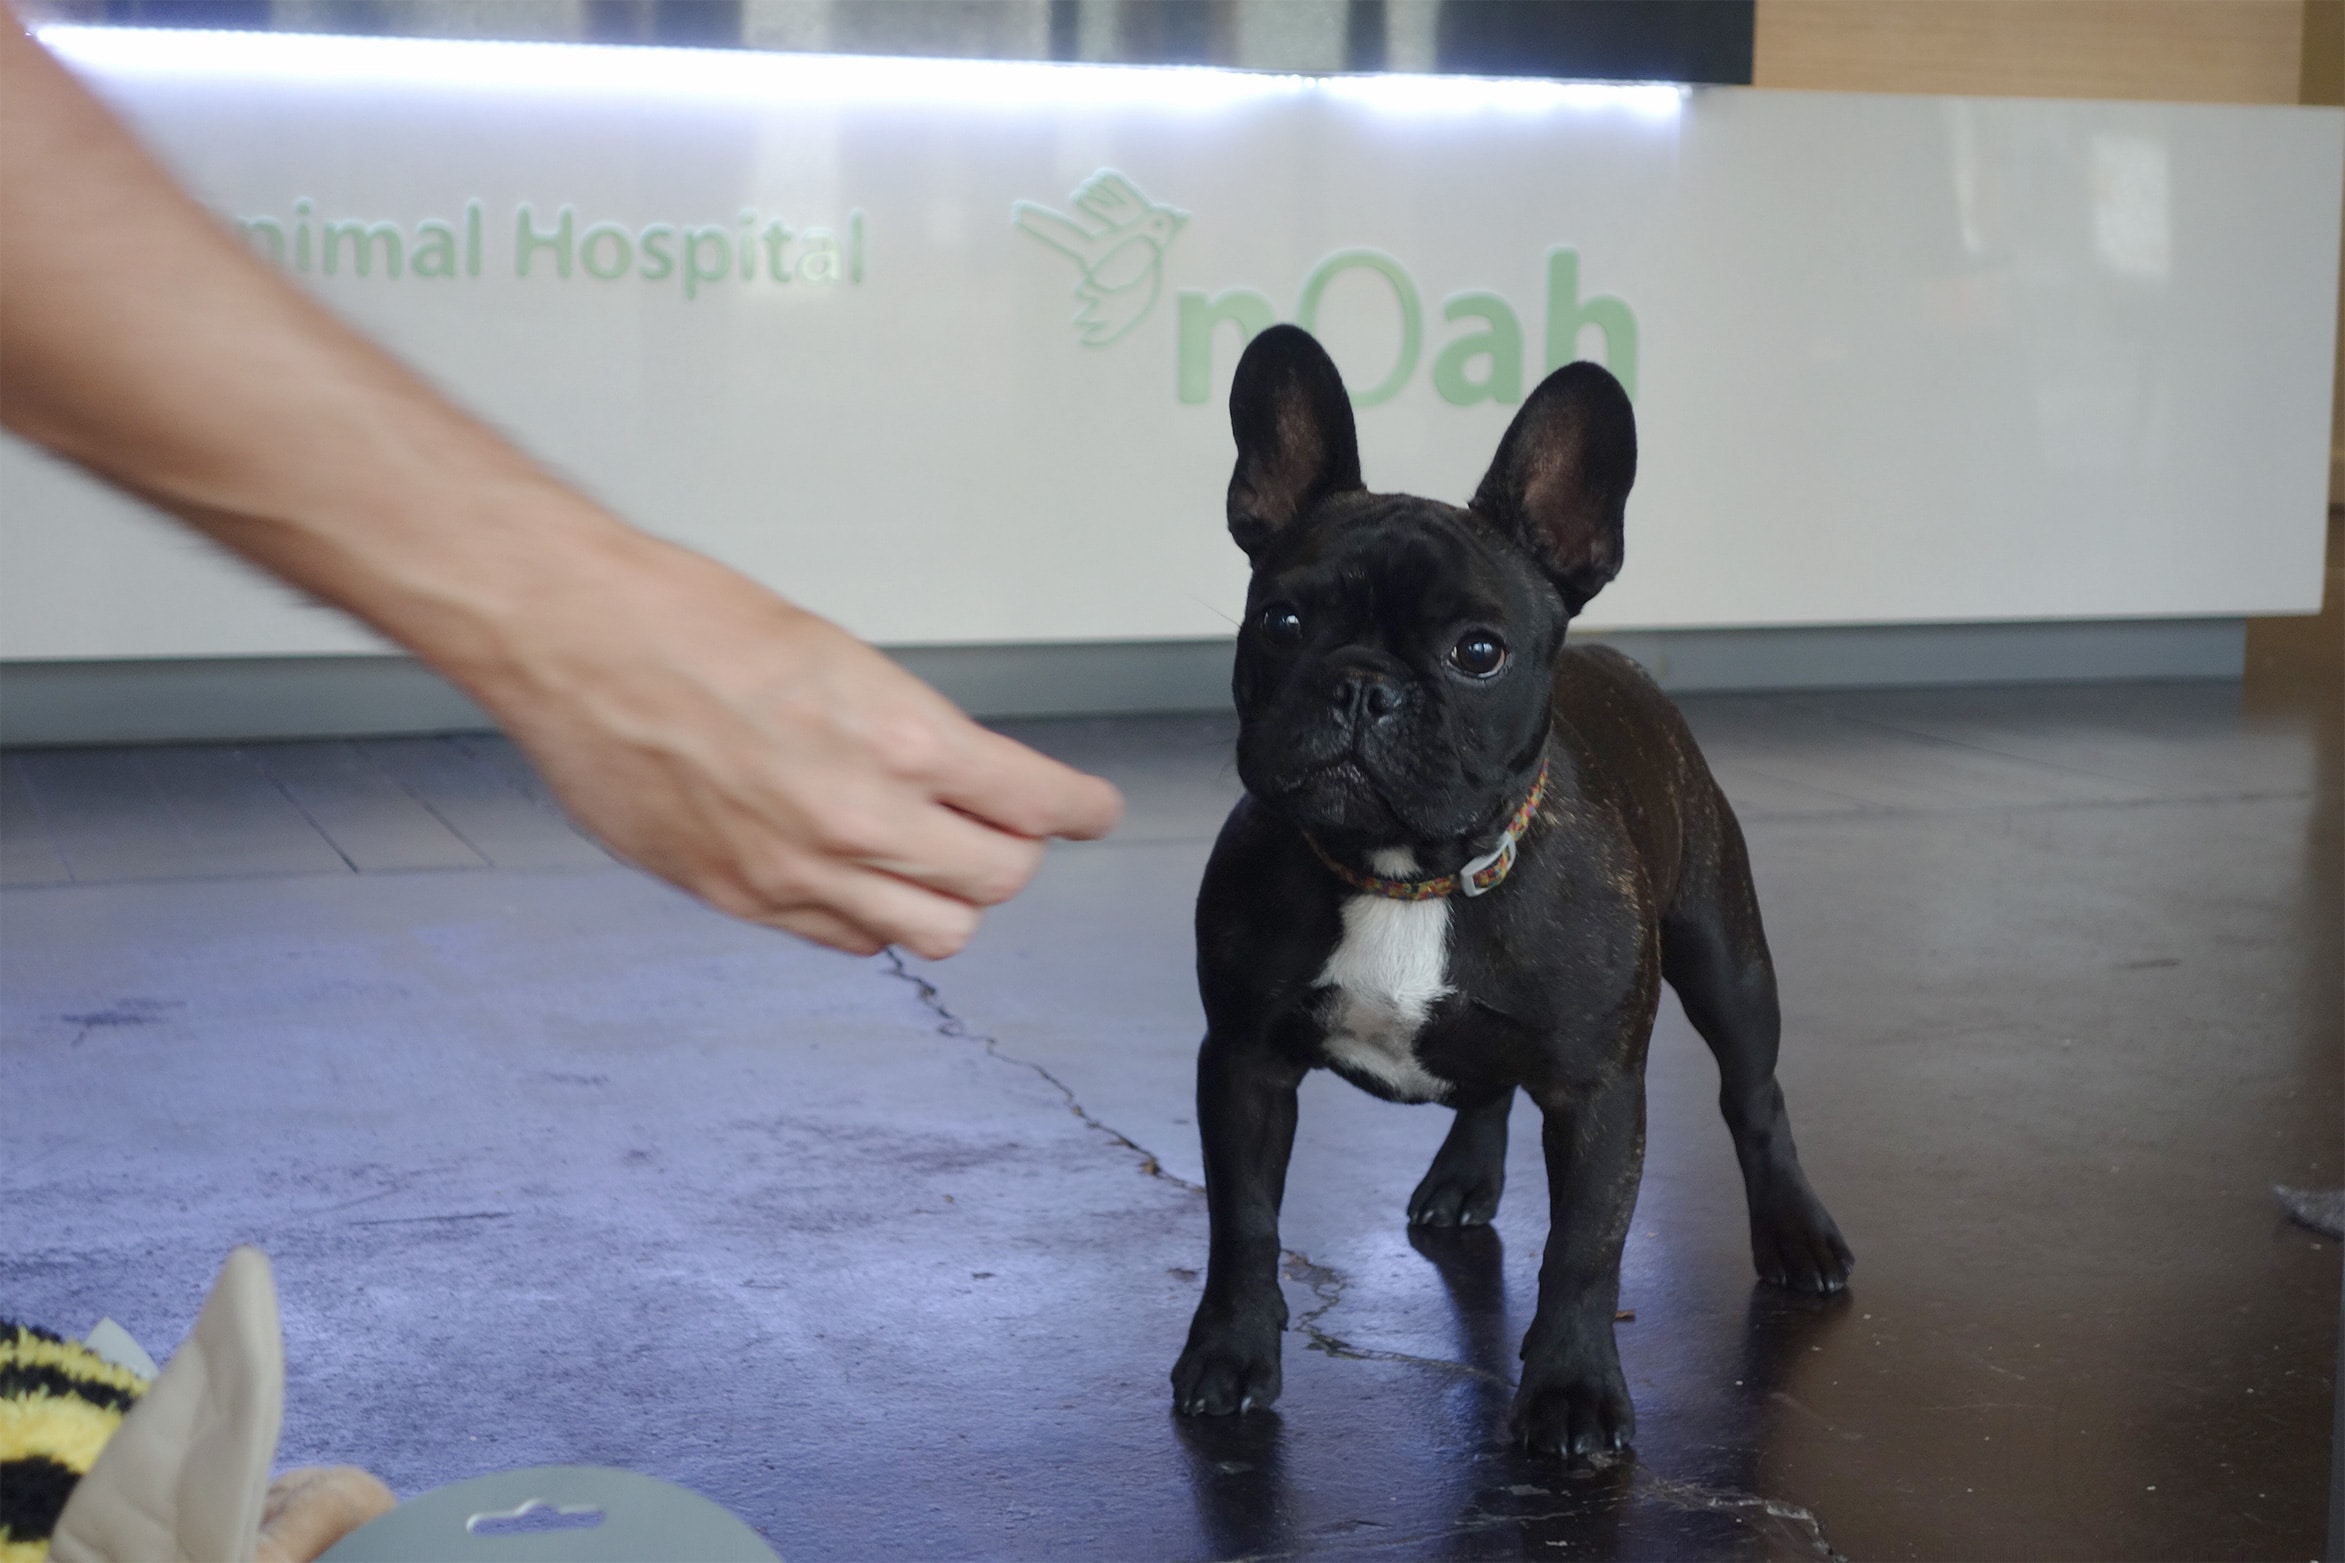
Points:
[(1296, 441), (1559, 484)]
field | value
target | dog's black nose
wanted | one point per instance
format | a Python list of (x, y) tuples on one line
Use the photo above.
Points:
[(1367, 696)]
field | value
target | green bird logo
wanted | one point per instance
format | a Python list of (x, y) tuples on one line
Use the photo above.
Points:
[(1119, 240)]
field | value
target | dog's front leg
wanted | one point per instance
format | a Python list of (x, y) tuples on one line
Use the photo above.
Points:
[(1246, 1117), (1573, 1399)]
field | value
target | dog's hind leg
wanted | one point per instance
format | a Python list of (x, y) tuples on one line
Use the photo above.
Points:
[(1468, 1174), (1714, 953)]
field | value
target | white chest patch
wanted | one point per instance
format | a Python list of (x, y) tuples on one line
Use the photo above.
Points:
[(1385, 975)]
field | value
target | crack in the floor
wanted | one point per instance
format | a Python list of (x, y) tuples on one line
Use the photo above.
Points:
[(1329, 1284), (1325, 1282), (1798, 1523), (1694, 1495), (952, 1025)]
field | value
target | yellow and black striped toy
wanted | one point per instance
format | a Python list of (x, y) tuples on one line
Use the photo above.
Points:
[(59, 1403)]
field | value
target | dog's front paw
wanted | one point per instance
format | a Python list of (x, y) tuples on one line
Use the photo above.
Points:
[(1794, 1242), (1460, 1194), (1574, 1412), (1231, 1364)]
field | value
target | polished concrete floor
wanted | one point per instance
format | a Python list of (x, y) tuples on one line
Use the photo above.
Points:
[(893, 1259)]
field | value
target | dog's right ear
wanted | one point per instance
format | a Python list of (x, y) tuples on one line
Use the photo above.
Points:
[(1296, 441)]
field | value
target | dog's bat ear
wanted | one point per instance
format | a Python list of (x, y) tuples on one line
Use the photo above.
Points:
[(1559, 484), (1296, 442)]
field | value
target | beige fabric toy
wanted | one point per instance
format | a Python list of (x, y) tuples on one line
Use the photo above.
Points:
[(186, 1478)]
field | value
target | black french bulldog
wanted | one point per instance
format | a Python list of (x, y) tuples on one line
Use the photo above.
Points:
[(1466, 861)]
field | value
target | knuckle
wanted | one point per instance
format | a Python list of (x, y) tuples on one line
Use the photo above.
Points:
[(830, 933), (733, 898), (948, 935), (1006, 879), (851, 829), (907, 744), (779, 882)]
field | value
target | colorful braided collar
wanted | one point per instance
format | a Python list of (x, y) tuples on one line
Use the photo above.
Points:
[(1481, 875)]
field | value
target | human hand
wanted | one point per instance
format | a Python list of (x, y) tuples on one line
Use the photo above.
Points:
[(770, 763), (702, 728)]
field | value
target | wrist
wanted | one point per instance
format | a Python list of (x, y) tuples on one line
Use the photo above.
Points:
[(543, 590), (572, 603)]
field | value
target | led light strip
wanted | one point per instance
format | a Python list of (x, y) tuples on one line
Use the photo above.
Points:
[(705, 75)]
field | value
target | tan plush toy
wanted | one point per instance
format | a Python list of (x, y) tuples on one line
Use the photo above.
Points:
[(97, 1465)]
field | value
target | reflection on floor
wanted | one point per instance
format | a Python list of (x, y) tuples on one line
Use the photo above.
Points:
[(893, 1261)]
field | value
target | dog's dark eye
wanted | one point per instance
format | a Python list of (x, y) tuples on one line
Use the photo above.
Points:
[(1478, 654), (1282, 625)]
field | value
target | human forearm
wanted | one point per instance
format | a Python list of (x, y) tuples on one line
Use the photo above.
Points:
[(362, 486), (701, 726)]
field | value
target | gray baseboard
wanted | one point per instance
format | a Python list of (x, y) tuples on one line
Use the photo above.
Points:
[(204, 699), (1080, 678), (234, 698), (1891, 655)]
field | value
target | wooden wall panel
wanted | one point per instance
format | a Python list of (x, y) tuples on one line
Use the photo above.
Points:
[(2208, 51)]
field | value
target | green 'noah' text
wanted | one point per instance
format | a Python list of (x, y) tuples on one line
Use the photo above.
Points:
[(1482, 363)]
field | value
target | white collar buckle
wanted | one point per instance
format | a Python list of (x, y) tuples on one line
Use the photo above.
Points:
[(1500, 856)]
